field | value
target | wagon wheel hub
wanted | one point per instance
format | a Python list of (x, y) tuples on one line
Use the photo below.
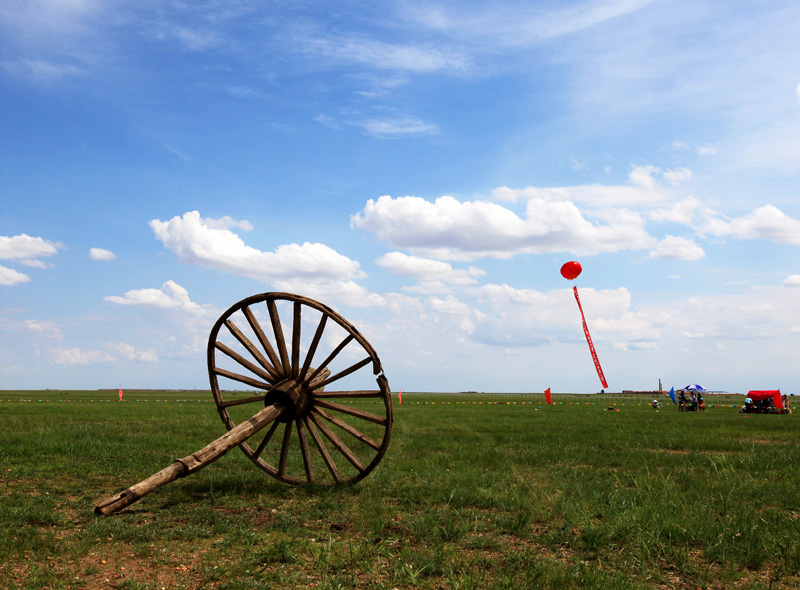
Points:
[(295, 395)]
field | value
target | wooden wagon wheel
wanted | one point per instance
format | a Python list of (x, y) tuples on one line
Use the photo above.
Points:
[(292, 350), (291, 390)]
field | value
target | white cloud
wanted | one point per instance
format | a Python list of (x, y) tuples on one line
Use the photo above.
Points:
[(397, 127), (101, 254), (353, 49), (765, 223), (449, 305), (425, 269), (170, 295), (693, 335), (685, 212), (9, 276), (450, 230), (42, 70), (596, 195), (23, 247), (517, 25), (47, 329), (643, 176), (210, 243), (792, 281), (677, 248), (76, 356), (130, 353), (332, 292), (113, 353), (678, 175)]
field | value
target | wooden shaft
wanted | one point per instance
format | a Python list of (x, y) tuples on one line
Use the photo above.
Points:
[(192, 463)]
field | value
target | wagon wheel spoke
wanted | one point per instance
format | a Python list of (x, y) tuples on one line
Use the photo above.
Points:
[(347, 428), (296, 329), (287, 435), (267, 438), (262, 338), (366, 393), (301, 434), (323, 450), (277, 329), (242, 378), (352, 411), (312, 349), (251, 348), (337, 442), (242, 401), (333, 355), (245, 363), (281, 360), (346, 372)]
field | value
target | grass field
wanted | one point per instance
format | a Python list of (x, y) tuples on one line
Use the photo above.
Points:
[(476, 491)]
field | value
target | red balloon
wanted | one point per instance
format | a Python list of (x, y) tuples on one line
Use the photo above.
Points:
[(571, 270)]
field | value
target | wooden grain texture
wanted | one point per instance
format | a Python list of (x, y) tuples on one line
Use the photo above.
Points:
[(191, 463)]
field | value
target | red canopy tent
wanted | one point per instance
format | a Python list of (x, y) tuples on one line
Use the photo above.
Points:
[(759, 394)]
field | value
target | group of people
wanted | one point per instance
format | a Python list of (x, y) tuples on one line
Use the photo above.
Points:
[(688, 401), (765, 406), (691, 401)]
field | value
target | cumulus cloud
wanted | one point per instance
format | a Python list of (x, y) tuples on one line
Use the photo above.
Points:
[(127, 352), (684, 211), (643, 176), (25, 247), (678, 175), (112, 353), (425, 269), (527, 317), (766, 223), (596, 195), (210, 243), (644, 189), (677, 248), (76, 356), (170, 295), (9, 276), (340, 292), (451, 230), (47, 329), (792, 281), (26, 250), (101, 254)]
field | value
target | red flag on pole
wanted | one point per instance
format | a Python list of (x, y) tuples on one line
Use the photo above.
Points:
[(400, 397), (120, 394), (547, 395), (589, 341)]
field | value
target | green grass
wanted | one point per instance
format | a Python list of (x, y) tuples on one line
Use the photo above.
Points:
[(476, 491)]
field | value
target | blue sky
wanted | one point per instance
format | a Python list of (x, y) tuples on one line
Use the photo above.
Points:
[(424, 167)]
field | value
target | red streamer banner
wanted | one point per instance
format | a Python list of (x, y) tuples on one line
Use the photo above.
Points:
[(589, 341), (547, 397)]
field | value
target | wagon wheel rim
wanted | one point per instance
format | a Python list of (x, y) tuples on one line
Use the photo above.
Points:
[(325, 436)]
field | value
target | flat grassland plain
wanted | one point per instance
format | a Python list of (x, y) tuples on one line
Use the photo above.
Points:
[(476, 491)]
